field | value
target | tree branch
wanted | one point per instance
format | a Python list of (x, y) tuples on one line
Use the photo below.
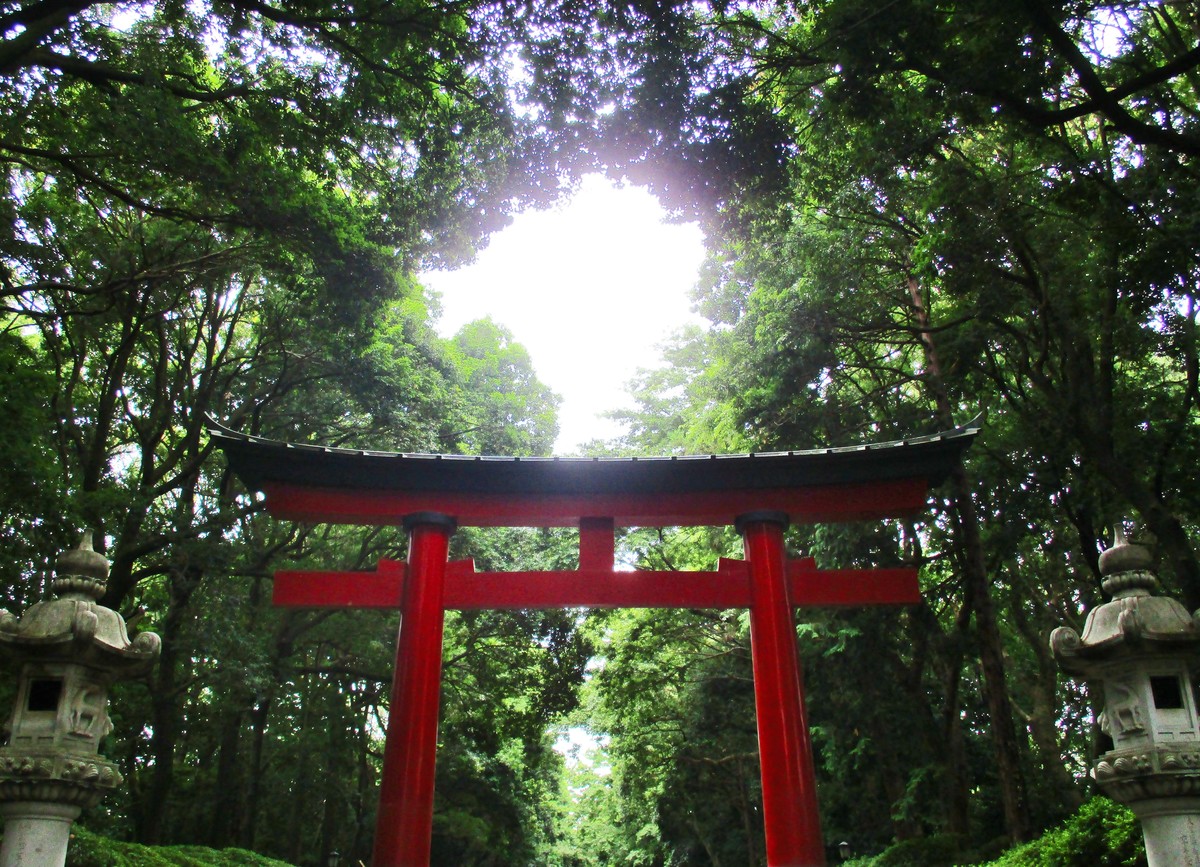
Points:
[(1108, 102), (39, 21), (101, 74)]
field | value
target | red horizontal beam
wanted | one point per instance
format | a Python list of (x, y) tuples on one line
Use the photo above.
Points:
[(803, 505), (728, 587)]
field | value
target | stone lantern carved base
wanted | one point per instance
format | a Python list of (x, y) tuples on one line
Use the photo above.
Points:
[(80, 781), (1154, 772)]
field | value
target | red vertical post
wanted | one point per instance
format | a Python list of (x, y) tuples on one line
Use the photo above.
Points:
[(596, 544), (405, 820), (793, 825)]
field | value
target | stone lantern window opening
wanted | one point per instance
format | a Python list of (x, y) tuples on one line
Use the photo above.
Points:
[(1173, 704), (1167, 692), (44, 694)]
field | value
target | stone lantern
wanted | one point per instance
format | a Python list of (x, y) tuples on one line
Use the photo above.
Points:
[(66, 651), (1142, 653)]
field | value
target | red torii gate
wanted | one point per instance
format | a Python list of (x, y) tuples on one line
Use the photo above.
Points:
[(431, 495)]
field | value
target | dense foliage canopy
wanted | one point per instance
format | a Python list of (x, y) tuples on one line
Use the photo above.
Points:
[(916, 212)]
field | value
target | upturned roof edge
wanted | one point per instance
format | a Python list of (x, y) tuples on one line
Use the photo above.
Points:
[(261, 462)]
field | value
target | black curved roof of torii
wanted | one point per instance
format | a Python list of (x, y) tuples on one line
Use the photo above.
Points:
[(262, 463)]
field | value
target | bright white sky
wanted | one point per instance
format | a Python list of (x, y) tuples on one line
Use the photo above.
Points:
[(591, 288)]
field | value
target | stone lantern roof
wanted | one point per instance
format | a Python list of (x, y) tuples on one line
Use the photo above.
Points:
[(1133, 623), (74, 625)]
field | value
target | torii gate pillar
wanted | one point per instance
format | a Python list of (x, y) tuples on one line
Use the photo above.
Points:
[(404, 826), (790, 816)]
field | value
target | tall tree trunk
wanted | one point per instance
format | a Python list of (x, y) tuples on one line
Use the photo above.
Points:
[(131, 789), (258, 728), (977, 587), (223, 830), (296, 829), (934, 650), (751, 827), (1042, 717), (714, 858), (956, 786), (948, 667), (991, 657), (895, 784), (332, 806), (162, 749), (165, 704), (365, 794), (942, 654)]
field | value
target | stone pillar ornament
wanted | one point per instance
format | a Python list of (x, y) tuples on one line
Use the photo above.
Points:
[(66, 651), (1141, 652)]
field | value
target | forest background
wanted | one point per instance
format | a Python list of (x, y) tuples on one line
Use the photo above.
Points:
[(915, 211)]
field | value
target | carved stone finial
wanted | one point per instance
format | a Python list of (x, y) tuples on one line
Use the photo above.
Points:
[(81, 570), (1125, 568)]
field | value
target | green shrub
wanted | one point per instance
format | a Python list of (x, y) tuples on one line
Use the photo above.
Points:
[(90, 850), (1101, 834), (938, 850)]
